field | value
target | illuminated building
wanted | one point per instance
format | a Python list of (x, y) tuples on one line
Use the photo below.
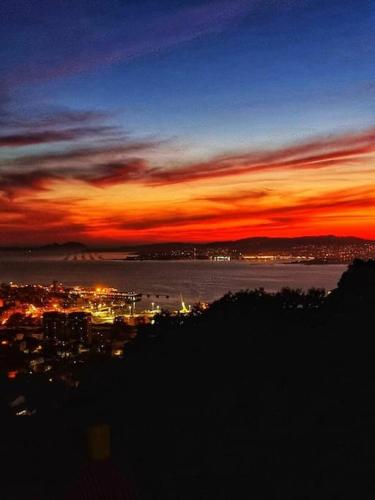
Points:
[(79, 326), (54, 325)]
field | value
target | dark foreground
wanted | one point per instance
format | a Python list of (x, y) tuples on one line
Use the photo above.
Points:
[(261, 396)]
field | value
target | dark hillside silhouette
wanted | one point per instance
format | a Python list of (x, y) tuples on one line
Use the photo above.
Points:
[(259, 396), (357, 284)]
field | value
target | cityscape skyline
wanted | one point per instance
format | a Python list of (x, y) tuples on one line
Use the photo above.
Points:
[(187, 249), (186, 121)]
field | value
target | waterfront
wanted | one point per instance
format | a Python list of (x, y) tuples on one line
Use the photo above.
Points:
[(194, 280)]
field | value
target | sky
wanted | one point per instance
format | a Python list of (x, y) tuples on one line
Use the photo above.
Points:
[(160, 120)]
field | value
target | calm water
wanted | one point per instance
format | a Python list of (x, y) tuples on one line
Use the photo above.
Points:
[(195, 280)]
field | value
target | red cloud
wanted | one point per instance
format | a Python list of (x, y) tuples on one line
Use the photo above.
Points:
[(107, 160), (315, 154), (105, 165)]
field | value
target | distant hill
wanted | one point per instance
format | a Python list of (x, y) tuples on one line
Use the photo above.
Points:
[(264, 243), (255, 244), (68, 246)]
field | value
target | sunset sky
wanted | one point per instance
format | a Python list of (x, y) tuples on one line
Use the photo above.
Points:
[(171, 120)]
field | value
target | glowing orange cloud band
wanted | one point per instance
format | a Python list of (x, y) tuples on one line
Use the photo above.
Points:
[(120, 191)]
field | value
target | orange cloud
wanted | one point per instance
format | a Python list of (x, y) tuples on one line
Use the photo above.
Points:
[(102, 185), (315, 154)]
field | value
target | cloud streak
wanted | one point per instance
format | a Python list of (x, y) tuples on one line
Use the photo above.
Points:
[(159, 34), (315, 154), (302, 211), (86, 153), (47, 136), (127, 160)]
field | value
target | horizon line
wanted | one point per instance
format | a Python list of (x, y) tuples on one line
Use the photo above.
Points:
[(150, 243)]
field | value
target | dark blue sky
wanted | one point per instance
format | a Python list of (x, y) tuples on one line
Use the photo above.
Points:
[(213, 74)]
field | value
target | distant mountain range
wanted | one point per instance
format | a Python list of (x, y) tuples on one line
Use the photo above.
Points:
[(70, 246), (254, 244)]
